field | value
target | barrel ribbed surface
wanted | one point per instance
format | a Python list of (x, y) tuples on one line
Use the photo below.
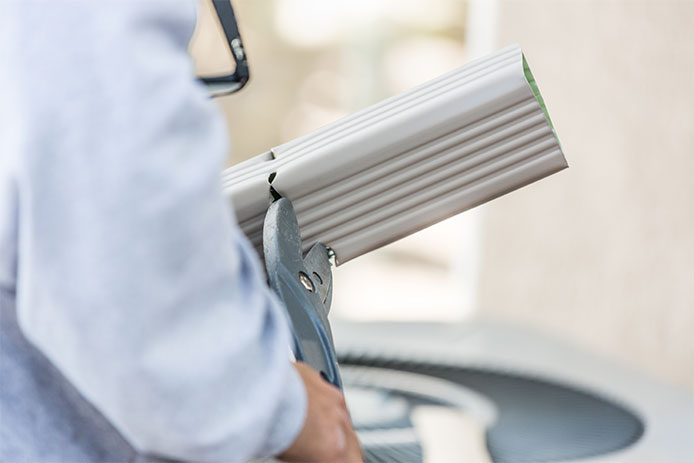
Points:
[(405, 163)]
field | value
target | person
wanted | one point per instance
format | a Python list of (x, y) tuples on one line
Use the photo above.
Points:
[(136, 322)]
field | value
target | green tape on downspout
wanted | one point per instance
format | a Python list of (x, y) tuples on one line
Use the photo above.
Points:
[(533, 85)]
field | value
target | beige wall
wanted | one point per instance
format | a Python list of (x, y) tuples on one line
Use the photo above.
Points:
[(604, 252)]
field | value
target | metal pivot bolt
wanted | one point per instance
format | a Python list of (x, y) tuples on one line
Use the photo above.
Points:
[(306, 282)]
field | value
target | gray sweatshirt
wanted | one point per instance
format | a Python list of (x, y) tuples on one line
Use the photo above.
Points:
[(129, 274)]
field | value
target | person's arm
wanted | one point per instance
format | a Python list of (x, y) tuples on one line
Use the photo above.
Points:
[(132, 277)]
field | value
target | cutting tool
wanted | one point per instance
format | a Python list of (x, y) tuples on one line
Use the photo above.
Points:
[(304, 284)]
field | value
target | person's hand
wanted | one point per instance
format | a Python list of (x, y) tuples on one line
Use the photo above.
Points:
[(327, 435)]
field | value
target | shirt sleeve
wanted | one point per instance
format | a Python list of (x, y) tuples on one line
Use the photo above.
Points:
[(132, 275)]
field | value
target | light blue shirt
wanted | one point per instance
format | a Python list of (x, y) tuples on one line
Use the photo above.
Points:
[(129, 270)]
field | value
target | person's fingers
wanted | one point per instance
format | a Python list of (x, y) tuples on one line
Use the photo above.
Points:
[(341, 440), (354, 453), (344, 418), (327, 434), (352, 450)]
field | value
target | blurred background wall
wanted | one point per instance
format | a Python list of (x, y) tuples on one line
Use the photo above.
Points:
[(601, 254)]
